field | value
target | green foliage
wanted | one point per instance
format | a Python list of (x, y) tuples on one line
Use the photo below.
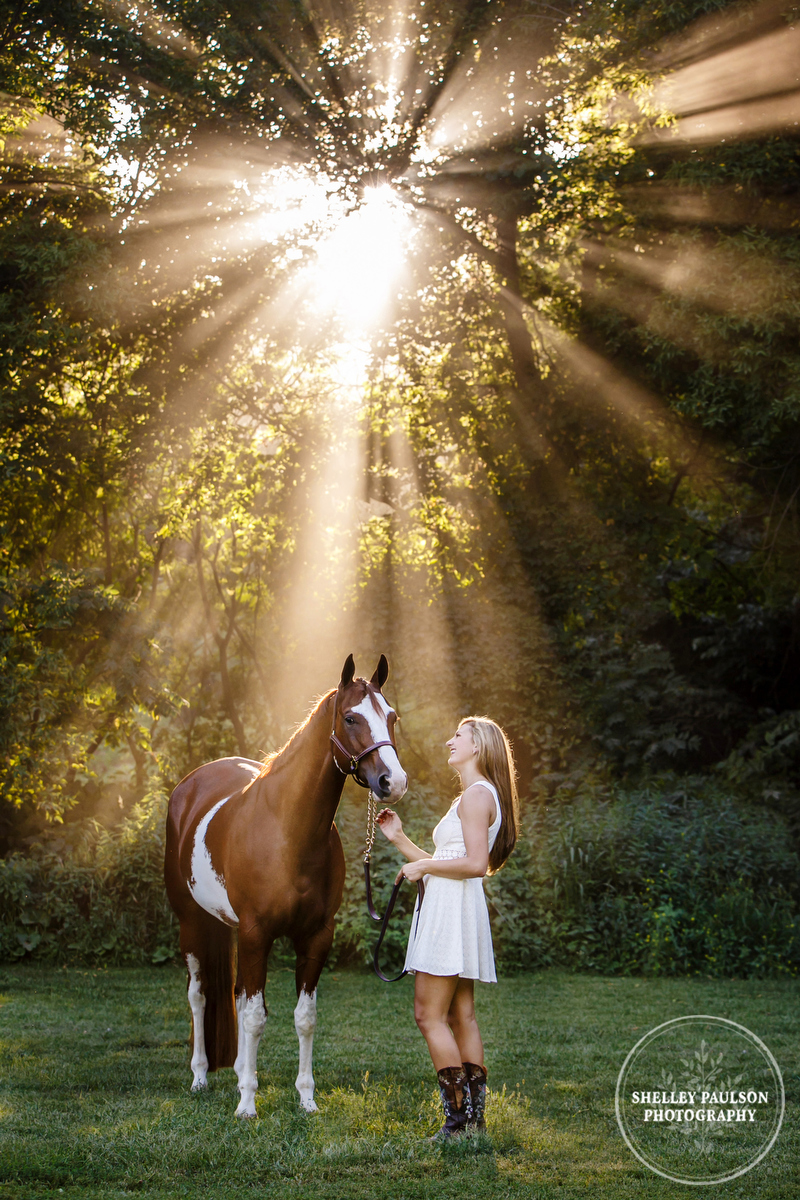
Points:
[(661, 882), (566, 494), (664, 882), (47, 698), (93, 895)]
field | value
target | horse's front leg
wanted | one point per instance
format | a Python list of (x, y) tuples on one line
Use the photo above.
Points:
[(310, 961), (251, 1012), (305, 1023)]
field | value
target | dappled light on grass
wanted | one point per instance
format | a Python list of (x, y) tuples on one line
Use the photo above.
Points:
[(399, 1120), (355, 1121)]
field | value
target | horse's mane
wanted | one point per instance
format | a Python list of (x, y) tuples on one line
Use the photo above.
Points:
[(290, 746)]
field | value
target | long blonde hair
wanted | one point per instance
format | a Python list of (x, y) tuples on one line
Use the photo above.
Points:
[(496, 763)]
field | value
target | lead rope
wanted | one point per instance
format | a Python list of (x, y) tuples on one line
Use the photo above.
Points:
[(372, 813)]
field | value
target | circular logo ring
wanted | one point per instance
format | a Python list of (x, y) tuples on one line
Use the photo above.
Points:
[(659, 1031)]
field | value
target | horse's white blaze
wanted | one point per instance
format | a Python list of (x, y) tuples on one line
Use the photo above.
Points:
[(207, 885), (305, 1022), (252, 1019), (379, 728), (197, 1003)]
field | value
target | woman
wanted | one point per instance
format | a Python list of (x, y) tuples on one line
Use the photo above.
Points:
[(451, 945)]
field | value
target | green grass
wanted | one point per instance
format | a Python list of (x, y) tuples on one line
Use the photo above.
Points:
[(95, 1101)]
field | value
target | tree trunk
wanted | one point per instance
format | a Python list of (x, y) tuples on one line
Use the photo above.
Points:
[(526, 367), (108, 575)]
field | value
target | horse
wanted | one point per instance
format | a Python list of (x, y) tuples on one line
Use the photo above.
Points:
[(252, 853)]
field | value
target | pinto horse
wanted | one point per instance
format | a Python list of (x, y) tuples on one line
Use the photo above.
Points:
[(252, 854)]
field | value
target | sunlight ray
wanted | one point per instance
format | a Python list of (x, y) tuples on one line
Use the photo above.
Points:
[(742, 89), (725, 279), (316, 612), (762, 67), (684, 206)]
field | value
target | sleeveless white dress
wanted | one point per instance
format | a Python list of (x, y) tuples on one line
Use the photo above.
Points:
[(453, 936)]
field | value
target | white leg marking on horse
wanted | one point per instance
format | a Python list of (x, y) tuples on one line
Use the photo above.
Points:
[(238, 1066), (379, 728), (252, 1020), (197, 1003), (205, 884), (305, 1022)]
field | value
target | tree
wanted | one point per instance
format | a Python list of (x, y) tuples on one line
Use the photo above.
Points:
[(579, 435)]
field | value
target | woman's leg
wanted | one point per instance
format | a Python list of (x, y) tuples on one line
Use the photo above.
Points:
[(433, 997), (463, 1023)]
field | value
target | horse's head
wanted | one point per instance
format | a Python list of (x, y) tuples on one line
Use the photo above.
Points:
[(363, 732)]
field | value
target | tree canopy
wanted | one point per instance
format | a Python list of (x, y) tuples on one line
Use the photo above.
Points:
[(466, 333)]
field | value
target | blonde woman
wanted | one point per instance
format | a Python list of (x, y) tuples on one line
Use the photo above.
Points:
[(451, 946)]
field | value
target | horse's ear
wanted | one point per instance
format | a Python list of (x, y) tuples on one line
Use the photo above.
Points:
[(348, 671), (381, 673)]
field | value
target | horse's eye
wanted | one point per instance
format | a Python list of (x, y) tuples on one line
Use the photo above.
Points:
[(349, 720)]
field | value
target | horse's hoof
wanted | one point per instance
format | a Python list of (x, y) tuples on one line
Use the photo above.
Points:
[(200, 1086), (247, 1108), (245, 1116), (308, 1105)]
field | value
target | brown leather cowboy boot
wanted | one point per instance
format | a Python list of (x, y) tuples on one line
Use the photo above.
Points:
[(476, 1082), (456, 1101)]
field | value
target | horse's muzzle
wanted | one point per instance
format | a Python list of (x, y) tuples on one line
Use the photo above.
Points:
[(385, 784)]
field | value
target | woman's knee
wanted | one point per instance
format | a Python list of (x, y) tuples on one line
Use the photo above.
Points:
[(429, 1018), (424, 1018), (433, 997), (462, 1010)]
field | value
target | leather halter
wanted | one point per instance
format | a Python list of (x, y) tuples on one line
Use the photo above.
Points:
[(353, 759)]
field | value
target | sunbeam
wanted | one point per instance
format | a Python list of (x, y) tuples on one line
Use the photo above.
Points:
[(377, 298), (728, 90), (358, 268)]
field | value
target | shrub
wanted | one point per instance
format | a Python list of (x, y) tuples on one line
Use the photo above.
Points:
[(665, 882), (92, 894), (655, 880)]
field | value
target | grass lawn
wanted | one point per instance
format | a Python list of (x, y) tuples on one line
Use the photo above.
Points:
[(95, 1100)]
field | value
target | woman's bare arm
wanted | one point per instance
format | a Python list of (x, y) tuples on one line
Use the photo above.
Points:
[(391, 827), (476, 810)]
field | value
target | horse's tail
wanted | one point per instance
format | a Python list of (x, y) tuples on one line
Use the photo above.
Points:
[(219, 1024)]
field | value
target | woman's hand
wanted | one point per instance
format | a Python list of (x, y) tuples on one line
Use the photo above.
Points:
[(414, 870), (389, 823)]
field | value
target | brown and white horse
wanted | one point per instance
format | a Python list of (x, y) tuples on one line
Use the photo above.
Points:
[(253, 854)]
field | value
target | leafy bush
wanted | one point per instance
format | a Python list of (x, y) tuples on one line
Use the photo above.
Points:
[(652, 880), (92, 894), (656, 881)]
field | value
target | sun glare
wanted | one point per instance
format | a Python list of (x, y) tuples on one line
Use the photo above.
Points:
[(358, 268), (292, 201)]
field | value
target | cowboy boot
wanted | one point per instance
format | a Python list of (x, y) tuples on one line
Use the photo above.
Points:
[(456, 1102), (476, 1082)]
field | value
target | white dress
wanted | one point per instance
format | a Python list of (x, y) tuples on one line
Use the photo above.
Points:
[(453, 936)]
